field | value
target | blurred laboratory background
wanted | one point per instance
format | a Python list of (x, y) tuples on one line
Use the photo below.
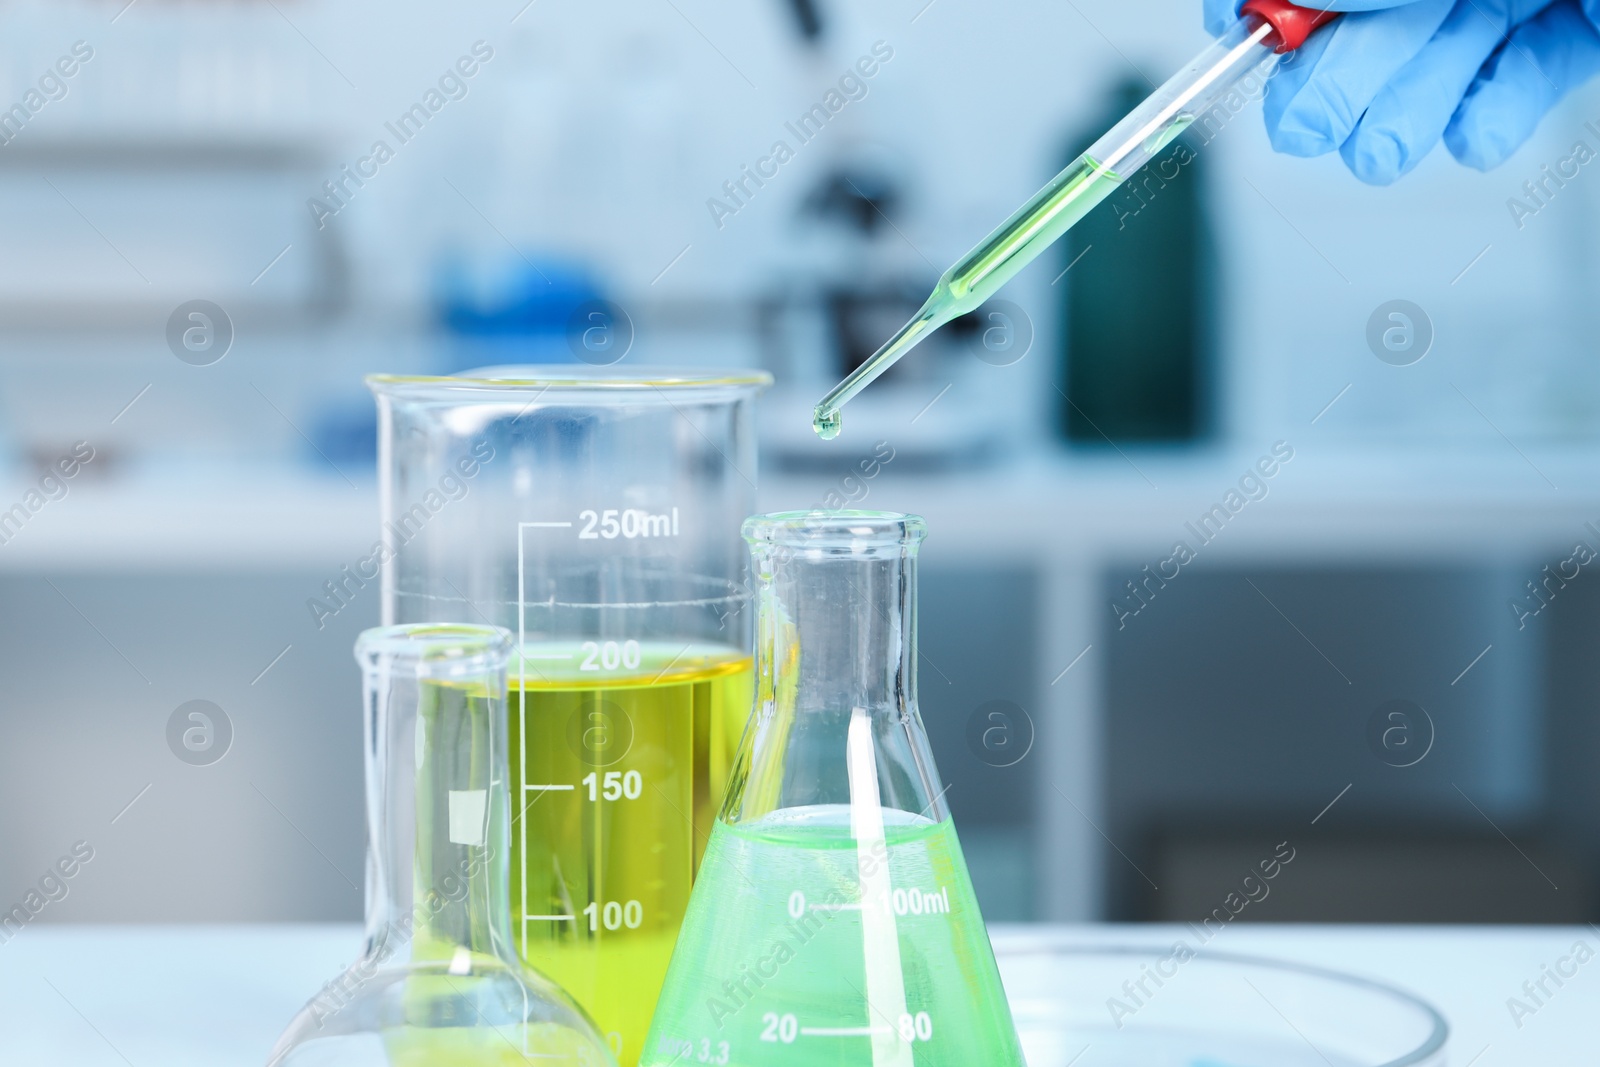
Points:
[(1371, 417)]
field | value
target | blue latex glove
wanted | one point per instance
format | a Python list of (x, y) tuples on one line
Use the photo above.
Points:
[(1384, 86)]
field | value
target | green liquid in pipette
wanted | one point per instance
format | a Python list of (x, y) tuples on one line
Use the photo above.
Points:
[(773, 968), (964, 288), (827, 423), (1035, 226), (1039, 223)]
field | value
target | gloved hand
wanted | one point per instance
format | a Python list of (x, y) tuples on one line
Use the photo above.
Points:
[(1386, 85)]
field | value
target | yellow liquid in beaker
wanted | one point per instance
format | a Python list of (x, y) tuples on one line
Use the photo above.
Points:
[(619, 754), (485, 1046)]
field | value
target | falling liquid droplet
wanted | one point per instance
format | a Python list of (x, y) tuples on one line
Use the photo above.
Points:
[(827, 423)]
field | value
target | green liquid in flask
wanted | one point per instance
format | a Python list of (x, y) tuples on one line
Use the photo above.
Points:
[(783, 963)]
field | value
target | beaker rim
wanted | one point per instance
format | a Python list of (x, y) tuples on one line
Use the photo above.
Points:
[(565, 379), (437, 648), (853, 531)]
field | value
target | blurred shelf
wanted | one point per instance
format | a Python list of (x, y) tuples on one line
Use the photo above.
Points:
[(254, 519), (116, 152), (1419, 507)]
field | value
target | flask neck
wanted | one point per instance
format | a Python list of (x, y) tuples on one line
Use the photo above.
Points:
[(837, 629), (437, 812), (835, 731)]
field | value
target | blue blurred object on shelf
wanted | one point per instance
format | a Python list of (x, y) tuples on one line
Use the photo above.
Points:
[(517, 312), (487, 314), (344, 433)]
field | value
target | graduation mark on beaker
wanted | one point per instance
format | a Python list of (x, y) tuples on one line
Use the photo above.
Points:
[(616, 786), (615, 915), (609, 655), (627, 523)]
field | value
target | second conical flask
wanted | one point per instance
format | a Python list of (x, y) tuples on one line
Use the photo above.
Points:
[(834, 921)]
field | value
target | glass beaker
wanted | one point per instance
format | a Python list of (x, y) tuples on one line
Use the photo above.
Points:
[(438, 983), (834, 920), (596, 516)]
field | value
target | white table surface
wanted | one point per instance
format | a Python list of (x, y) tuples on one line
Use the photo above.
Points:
[(217, 996)]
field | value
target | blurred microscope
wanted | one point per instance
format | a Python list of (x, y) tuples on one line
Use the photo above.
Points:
[(852, 278)]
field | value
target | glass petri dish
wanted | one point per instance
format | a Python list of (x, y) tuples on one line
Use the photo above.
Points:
[(1153, 1007)]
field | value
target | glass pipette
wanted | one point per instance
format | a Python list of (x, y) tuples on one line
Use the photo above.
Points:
[(1266, 29)]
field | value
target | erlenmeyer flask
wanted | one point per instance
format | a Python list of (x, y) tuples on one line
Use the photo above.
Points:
[(438, 983), (834, 921)]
